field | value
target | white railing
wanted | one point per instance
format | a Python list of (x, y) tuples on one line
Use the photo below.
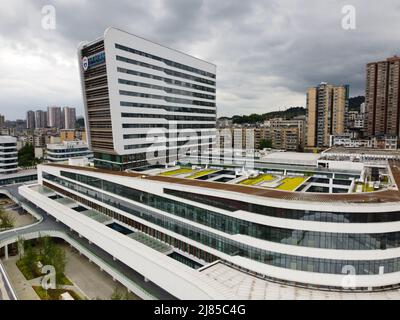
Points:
[(7, 283)]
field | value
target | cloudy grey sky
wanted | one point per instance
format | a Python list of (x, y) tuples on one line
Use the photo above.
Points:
[(267, 52)]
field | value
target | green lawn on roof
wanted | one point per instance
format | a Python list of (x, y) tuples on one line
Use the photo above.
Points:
[(201, 173), (367, 188), (176, 172), (257, 180), (290, 184)]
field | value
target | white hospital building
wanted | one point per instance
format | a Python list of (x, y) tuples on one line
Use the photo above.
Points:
[(138, 95)]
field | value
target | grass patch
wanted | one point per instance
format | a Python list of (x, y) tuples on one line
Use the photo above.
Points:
[(290, 184), (176, 172), (64, 281), (54, 294), (201, 173), (257, 180), (365, 187), (33, 274), (28, 274)]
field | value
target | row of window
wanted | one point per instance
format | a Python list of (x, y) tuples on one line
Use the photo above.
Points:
[(7, 145), (10, 181), (166, 117), (69, 150), (167, 126), (181, 245), (307, 215), (166, 89), (152, 135), (7, 161), (70, 155), (220, 243), (166, 80), (9, 166), (168, 99), (8, 151), (167, 108), (166, 71), (327, 240), (166, 61), (162, 144)]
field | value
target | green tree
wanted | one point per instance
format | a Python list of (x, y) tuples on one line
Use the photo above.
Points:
[(288, 114), (80, 123), (26, 156), (116, 295), (264, 143), (51, 254), (7, 221), (30, 259)]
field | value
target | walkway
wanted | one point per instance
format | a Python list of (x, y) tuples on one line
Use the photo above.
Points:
[(49, 224), (23, 289), (89, 278)]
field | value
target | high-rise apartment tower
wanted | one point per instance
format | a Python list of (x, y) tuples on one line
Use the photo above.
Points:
[(326, 113), (382, 97)]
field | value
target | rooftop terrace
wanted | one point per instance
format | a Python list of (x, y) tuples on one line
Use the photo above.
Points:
[(388, 195), (239, 285)]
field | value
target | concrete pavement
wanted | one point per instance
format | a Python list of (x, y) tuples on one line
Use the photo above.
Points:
[(23, 289)]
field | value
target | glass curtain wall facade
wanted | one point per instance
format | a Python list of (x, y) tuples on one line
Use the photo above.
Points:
[(231, 226)]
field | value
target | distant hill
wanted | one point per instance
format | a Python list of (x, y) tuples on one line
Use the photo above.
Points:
[(254, 118), (290, 113), (355, 103)]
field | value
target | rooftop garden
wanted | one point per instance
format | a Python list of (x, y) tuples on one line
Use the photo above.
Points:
[(291, 184), (365, 187), (201, 173), (176, 172), (257, 180)]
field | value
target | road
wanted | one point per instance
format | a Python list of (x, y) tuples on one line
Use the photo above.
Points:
[(48, 223)]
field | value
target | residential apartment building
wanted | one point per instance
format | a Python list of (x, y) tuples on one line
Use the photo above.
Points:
[(55, 117), (326, 113), (376, 142), (224, 122), (67, 135), (8, 155), (69, 115), (40, 119), (382, 100), (30, 120), (286, 138), (239, 138), (286, 134), (143, 101)]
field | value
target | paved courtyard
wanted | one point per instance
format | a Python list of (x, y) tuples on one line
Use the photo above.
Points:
[(88, 281), (21, 218), (88, 277), (22, 287)]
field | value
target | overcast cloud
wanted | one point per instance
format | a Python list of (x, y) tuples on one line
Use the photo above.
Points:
[(267, 52)]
